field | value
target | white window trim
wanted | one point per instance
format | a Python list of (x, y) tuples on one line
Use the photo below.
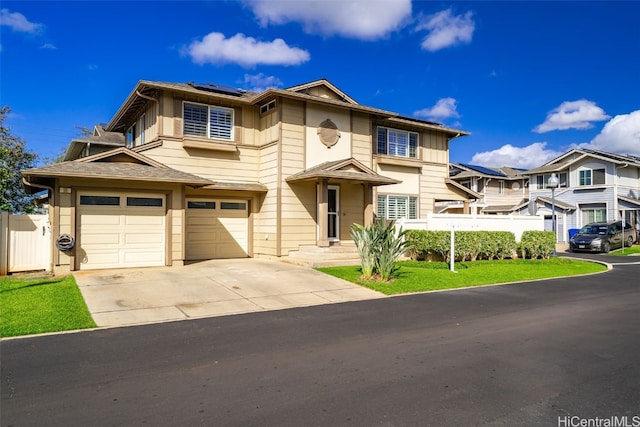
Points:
[(386, 144), (591, 173), (397, 196), (208, 128)]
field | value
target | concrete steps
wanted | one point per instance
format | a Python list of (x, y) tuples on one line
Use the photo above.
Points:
[(314, 256)]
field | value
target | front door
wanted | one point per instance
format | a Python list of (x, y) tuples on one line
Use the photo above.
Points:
[(333, 210)]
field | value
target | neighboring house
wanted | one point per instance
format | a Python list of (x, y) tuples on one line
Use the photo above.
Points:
[(204, 171), (594, 186), (502, 190), (100, 141)]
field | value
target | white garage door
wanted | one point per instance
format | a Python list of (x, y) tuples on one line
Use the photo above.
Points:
[(217, 229), (121, 230)]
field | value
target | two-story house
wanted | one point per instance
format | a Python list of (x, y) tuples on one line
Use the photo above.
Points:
[(502, 190), (207, 171), (593, 186)]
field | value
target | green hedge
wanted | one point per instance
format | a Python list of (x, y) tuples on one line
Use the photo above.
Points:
[(537, 244), (473, 245)]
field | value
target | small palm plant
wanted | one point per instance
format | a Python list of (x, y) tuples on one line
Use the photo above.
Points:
[(379, 247)]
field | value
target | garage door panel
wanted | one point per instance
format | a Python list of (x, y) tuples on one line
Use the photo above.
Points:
[(121, 236), (101, 220), (217, 233), (101, 239)]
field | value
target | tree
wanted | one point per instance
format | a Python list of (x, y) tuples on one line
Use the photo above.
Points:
[(14, 157)]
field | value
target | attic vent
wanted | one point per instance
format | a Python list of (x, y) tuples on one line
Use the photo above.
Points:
[(328, 133)]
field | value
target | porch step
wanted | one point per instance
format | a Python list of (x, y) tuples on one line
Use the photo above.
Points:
[(314, 256)]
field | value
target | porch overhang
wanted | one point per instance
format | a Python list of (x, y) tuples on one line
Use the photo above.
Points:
[(342, 170)]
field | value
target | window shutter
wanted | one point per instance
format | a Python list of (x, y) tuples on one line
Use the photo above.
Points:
[(382, 141), (413, 208), (220, 123), (195, 120), (381, 208), (413, 145)]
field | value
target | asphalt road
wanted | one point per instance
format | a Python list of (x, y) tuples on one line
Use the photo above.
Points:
[(522, 354)]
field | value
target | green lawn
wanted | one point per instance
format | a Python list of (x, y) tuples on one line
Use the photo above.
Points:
[(32, 306), (418, 276), (635, 249)]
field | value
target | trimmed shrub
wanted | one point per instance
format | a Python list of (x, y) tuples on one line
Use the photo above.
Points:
[(469, 245), (537, 244)]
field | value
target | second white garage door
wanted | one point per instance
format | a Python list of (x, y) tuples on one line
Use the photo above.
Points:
[(121, 230), (216, 228)]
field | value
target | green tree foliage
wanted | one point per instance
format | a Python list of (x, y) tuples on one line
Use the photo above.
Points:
[(14, 157)]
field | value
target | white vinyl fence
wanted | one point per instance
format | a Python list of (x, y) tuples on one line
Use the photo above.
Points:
[(517, 224), (25, 243)]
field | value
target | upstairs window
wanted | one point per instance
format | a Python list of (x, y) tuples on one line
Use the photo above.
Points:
[(131, 136), (399, 143), (396, 207), (543, 180), (208, 121), (592, 177)]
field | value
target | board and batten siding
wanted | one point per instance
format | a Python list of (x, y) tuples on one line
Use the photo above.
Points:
[(265, 220), (297, 200), (434, 147), (361, 139)]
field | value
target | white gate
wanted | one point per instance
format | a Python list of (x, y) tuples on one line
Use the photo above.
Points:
[(27, 242)]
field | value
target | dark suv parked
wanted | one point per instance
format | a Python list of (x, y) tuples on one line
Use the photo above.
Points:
[(602, 237)]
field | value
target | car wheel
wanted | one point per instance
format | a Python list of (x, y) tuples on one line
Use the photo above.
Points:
[(606, 247), (630, 241)]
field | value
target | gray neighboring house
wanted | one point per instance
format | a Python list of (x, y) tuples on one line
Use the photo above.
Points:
[(594, 186)]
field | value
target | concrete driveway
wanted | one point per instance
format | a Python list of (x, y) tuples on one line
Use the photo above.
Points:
[(208, 288)]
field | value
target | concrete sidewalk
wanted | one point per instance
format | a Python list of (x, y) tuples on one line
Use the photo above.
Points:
[(208, 288)]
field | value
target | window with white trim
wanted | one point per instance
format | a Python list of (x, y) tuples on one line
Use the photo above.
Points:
[(501, 187), (143, 126), (396, 207), (593, 213), (591, 177), (207, 121), (394, 142), (543, 180)]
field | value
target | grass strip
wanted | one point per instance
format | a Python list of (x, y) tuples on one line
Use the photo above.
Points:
[(33, 306), (420, 276)]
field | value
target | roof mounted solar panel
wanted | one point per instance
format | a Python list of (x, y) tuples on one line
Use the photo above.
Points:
[(211, 87), (483, 170)]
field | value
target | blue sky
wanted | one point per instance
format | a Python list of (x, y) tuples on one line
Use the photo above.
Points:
[(529, 80)]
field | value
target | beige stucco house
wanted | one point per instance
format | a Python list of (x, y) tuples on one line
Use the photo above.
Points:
[(199, 171)]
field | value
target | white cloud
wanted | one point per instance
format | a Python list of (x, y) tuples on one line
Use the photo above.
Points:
[(18, 22), (359, 19), (444, 108), (620, 135), (572, 115), (446, 30), (48, 46), (214, 48), (528, 157), (259, 82)]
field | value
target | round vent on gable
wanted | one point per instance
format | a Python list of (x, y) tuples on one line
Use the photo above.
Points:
[(328, 133), (515, 186)]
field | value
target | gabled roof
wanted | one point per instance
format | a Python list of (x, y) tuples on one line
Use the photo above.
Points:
[(304, 88), (346, 169), (147, 91), (100, 137), (462, 188), (572, 156), (559, 204), (629, 200), (119, 164)]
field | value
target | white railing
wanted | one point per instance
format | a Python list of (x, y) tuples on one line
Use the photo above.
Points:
[(517, 224)]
